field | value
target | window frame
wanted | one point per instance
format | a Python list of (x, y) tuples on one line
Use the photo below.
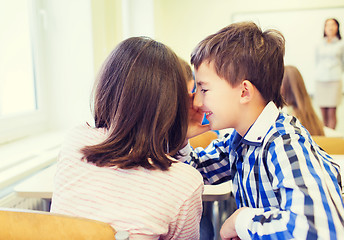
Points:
[(33, 122)]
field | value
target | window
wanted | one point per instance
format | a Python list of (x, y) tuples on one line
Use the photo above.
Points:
[(20, 111), (17, 91)]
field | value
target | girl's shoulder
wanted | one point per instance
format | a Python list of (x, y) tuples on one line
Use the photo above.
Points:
[(83, 135), (182, 177), (86, 131), (185, 172)]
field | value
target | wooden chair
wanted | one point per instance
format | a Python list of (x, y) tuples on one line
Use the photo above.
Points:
[(203, 140), (35, 225), (332, 145)]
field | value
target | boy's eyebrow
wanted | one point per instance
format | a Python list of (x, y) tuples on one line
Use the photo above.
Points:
[(200, 83)]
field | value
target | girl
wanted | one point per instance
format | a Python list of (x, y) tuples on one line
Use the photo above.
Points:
[(121, 171), (299, 103)]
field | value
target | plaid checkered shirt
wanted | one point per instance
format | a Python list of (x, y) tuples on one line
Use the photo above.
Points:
[(291, 186)]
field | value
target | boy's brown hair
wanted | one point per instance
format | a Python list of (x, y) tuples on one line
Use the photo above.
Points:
[(242, 51)]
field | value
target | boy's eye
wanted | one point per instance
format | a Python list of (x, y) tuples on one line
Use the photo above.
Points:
[(204, 90)]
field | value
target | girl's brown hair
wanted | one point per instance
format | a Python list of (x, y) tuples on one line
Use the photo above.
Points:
[(141, 98), (295, 95)]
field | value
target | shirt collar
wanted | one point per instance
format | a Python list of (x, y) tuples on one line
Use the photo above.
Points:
[(256, 133)]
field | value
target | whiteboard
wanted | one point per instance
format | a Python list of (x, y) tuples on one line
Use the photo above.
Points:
[(302, 29)]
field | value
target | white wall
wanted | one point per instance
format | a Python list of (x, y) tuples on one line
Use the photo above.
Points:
[(69, 54), (69, 61), (182, 24), (138, 18), (179, 24)]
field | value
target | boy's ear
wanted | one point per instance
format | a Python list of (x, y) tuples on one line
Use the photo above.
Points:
[(247, 91)]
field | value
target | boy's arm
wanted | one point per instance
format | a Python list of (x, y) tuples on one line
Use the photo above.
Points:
[(233, 224), (310, 201), (212, 162)]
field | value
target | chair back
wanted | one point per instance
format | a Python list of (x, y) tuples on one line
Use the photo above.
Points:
[(331, 145), (203, 140), (35, 225)]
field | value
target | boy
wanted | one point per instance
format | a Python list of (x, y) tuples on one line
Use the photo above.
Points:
[(285, 186)]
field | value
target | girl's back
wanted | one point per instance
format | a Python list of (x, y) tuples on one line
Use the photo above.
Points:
[(148, 202)]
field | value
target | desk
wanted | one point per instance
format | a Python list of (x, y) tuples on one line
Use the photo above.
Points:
[(218, 192), (41, 185)]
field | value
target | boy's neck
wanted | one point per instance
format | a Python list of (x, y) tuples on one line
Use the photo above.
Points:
[(250, 114)]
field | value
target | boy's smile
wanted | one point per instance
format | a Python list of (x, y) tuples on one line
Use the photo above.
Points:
[(208, 114), (216, 98)]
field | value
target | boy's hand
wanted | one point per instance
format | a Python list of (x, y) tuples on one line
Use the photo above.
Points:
[(195, 121), (228, 228)]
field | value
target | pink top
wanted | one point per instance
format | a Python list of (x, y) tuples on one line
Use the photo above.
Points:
[(150, 204)]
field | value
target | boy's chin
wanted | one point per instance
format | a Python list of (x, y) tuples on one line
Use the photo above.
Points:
[(217, 128)]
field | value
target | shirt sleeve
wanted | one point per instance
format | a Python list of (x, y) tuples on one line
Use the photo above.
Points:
[(212, 162), (310, 201), (186, 224)]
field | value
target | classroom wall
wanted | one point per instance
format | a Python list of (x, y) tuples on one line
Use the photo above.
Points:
[(115, 20), (81, 33), (107, 28), (182, 24), (67, 59)]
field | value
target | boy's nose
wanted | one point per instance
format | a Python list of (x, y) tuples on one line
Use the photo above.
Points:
[(197, 101)]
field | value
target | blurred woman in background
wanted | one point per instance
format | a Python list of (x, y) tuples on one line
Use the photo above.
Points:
[(329, 70)]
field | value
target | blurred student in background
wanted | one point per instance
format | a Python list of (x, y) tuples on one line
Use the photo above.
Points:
[(299, 103), (329, 70), (121, 171)]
